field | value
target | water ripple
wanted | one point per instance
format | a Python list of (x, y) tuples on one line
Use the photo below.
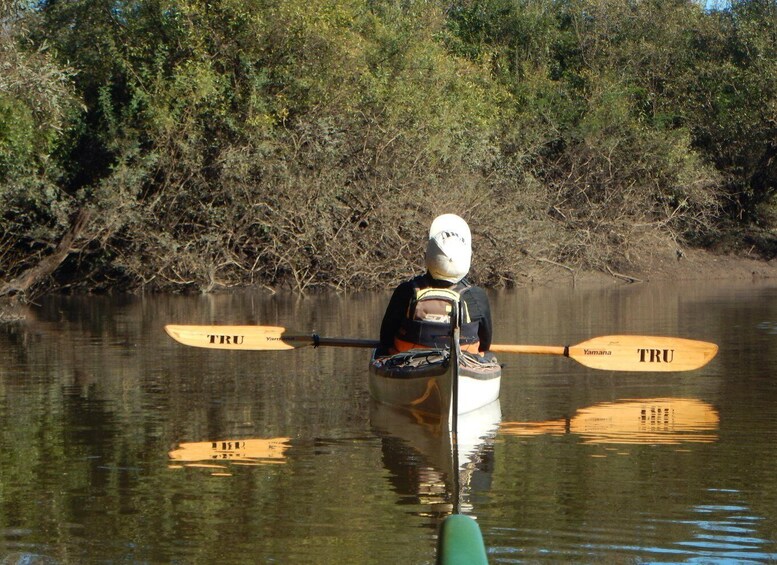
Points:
[(716, 531), (768, 327)]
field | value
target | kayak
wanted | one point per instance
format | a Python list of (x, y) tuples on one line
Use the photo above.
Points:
[(442, 382), (423, 379), (460, 542)]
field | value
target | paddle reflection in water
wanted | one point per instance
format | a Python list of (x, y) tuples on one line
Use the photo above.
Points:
[(427, 467), (213, 454), (632, 421)]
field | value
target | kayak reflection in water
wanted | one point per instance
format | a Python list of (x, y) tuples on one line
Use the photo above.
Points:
[(418, 314)]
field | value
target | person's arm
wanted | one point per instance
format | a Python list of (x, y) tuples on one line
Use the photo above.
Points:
[(392, 319), (483, 316)]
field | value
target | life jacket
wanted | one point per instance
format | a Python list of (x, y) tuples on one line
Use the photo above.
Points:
[(427, 322)]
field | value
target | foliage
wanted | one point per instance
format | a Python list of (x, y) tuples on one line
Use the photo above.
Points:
[(309, 143), (37, 107), (733, 104)]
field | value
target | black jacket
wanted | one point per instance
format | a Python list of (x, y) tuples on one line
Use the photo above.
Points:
[(475, 298)]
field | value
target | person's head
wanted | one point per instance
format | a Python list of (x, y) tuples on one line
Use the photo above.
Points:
[(449, 250)]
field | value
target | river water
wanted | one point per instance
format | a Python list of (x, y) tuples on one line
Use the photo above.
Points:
[(119, 445)]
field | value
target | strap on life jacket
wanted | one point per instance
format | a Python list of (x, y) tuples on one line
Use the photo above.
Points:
[(427, 322)]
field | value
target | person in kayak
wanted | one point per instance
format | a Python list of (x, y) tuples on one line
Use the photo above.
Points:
[(418, 314)]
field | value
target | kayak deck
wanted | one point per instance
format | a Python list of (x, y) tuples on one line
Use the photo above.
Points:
[(422, 379)]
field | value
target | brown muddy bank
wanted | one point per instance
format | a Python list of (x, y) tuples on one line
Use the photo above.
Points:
[(666, 265)]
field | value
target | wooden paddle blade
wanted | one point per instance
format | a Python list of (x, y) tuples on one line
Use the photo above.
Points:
[(642, 353), (257, 338), (248, 338)]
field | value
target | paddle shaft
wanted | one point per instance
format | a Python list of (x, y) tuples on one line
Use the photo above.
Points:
[(317, 340), (343, 341), (371, 343), (536, 349)]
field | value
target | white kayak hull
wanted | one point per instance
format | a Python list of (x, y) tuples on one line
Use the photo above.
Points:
[(423, 380)]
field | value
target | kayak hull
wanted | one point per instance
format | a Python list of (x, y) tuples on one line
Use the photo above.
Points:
[(423, 380)]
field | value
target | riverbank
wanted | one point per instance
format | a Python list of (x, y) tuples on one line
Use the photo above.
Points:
[(665, 265), (659, 266), (704, 265)]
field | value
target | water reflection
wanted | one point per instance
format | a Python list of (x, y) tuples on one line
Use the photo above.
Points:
[(630, 421), (427, 467), (94, 396), (209, 454)]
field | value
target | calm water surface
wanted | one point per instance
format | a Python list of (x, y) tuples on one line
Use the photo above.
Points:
[(119, 445)]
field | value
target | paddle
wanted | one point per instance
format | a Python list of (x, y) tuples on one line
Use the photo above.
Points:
[(609, 353)]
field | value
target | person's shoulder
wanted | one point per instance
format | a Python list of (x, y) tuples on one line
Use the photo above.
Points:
[(470, 286), (474, 290), (410, 285), (418, 281)]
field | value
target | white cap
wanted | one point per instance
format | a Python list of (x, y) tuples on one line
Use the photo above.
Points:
[(449, 251)]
